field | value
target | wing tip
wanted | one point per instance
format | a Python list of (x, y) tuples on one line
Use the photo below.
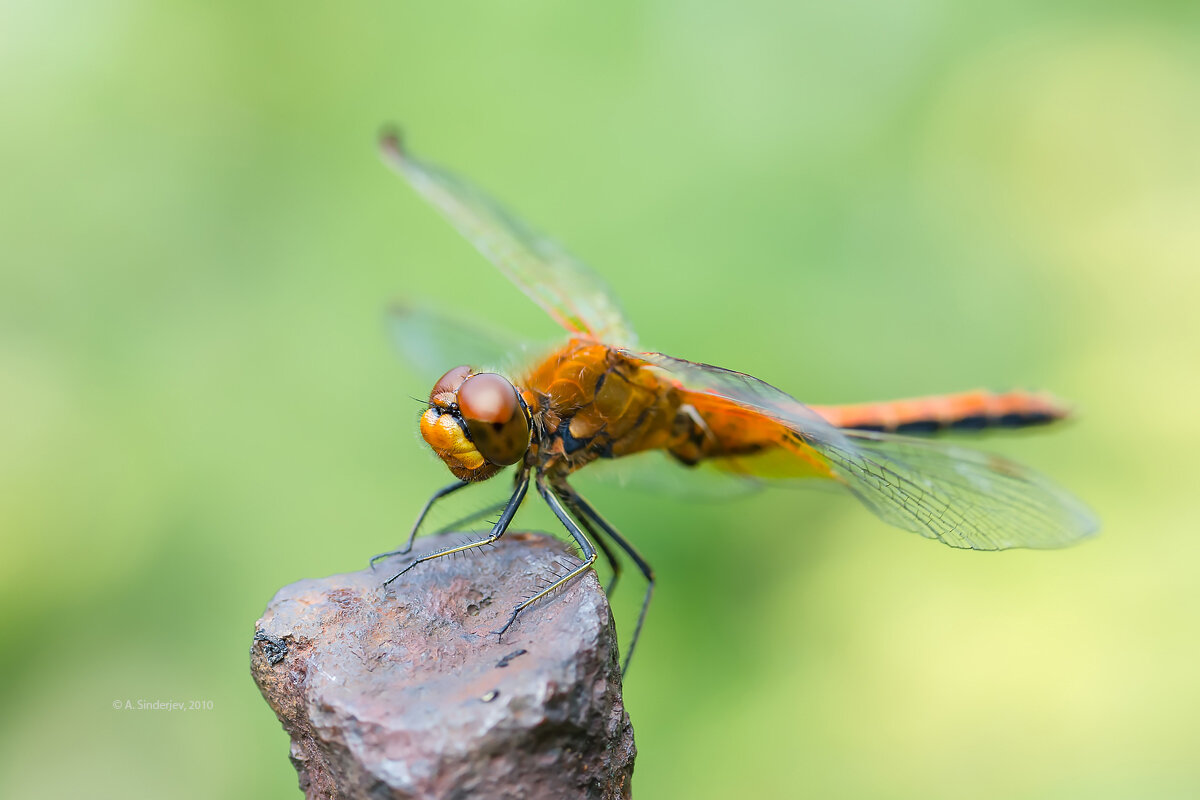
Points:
[(391, 144), (400, 308), (1082, 529)]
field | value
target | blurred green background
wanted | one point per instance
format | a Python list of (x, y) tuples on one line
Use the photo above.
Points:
[(854, 201)]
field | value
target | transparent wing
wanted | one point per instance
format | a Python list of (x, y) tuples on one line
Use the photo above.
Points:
[(574, 296), (746, 390), (432, 342), (957, 495), (654, 472)]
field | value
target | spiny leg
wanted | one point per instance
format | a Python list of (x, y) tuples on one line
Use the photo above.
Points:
[(613, 562), (481, 513), (585, 512), (506, 516), (486, 511), (585, 546), (412, 534), (609, 555)]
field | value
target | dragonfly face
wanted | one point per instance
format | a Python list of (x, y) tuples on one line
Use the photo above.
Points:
[(476, 422)]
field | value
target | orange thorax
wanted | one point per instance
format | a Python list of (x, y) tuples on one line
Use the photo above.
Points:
[(592, 402)]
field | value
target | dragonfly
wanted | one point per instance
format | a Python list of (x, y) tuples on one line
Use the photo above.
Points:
[(597, 397)]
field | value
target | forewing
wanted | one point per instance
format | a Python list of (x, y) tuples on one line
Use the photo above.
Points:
[(574, 296), (957, 495), (745, 390)]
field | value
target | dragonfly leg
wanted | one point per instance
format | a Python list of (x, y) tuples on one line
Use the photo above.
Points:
[(586, 513), (412, 534), (609, 555), (486, 511), (581, 539), (506, 516)]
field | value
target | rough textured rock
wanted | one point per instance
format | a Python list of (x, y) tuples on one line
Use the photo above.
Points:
[(408, 693)]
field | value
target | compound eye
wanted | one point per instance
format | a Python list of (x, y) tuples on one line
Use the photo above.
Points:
[(487, 397), (494, 416), (448, 384)]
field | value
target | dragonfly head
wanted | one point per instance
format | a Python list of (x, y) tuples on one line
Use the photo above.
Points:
[(476, 423)]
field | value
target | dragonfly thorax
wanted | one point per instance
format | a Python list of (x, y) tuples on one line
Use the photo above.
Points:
[(476, 423)]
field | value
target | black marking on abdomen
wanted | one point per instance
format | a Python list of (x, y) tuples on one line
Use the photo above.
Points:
[(1024, 420), (971, 424), (975, 422), (919, 426)]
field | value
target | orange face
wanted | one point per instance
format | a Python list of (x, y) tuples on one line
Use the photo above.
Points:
[(476, 423)]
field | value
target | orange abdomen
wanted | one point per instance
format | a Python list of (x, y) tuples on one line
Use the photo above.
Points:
[(965, 411), (745, 441)]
